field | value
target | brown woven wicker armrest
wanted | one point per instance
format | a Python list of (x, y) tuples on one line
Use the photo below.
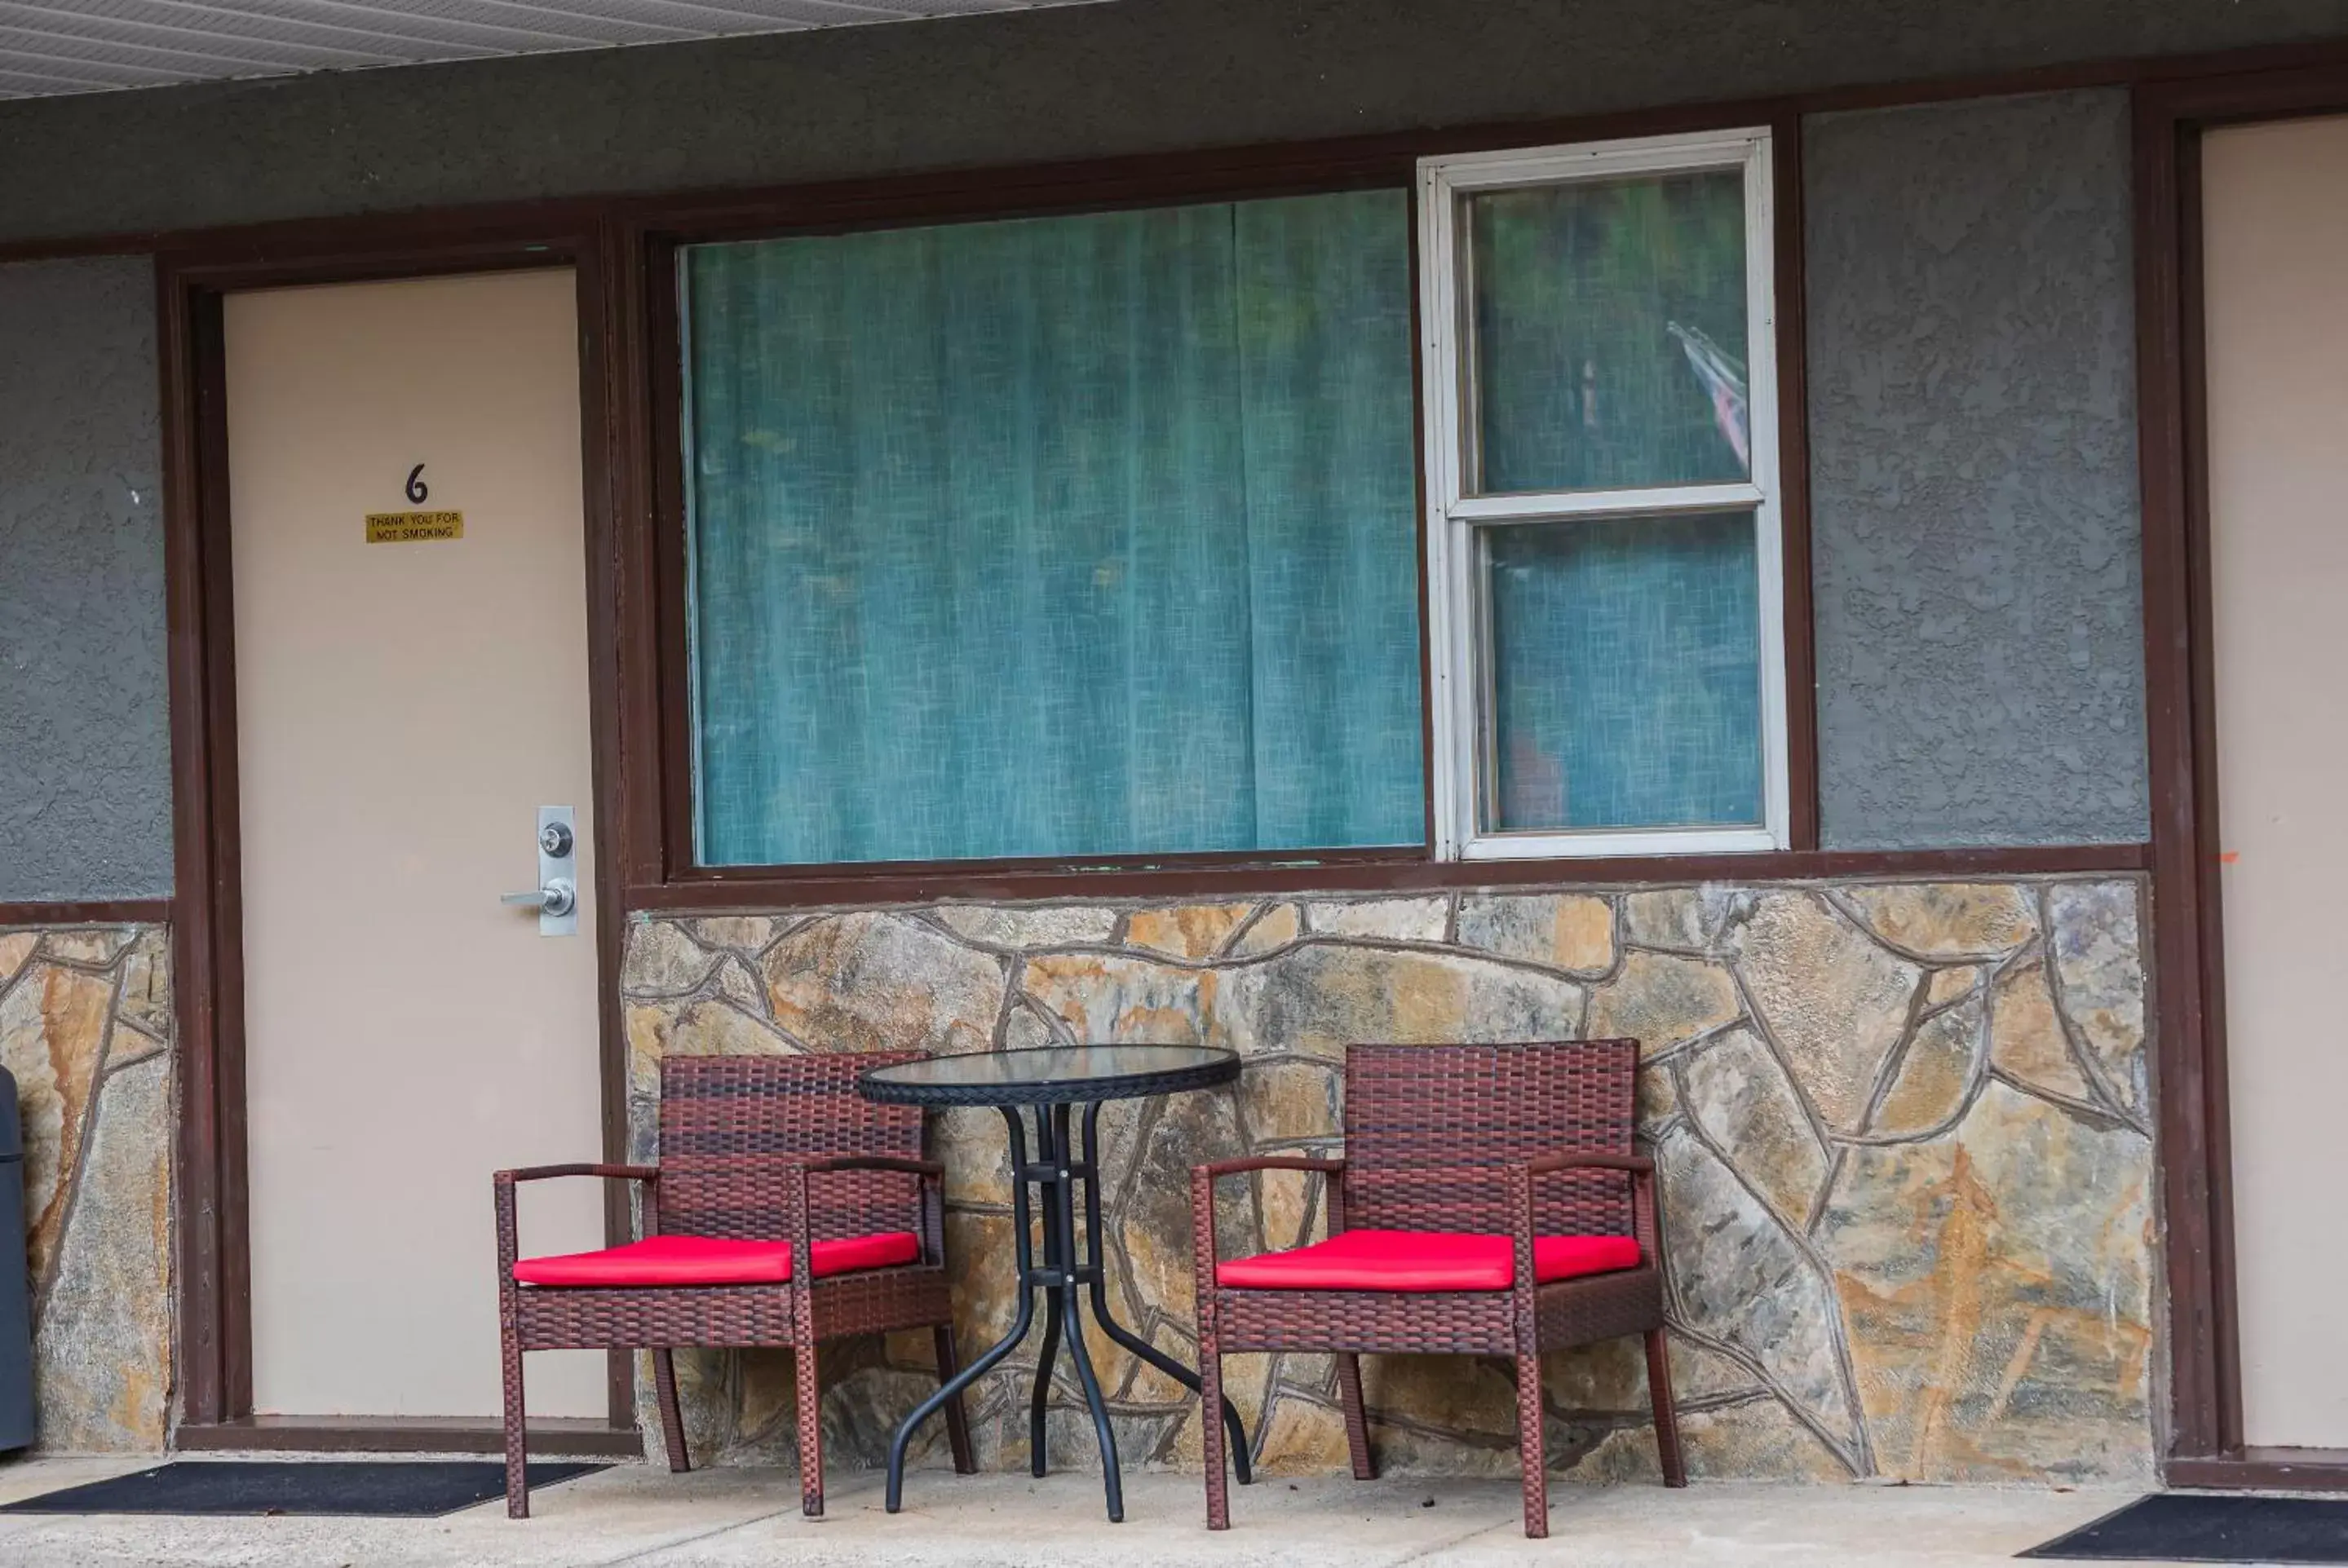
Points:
[(541, 1173), (930, 1220), (1203, 1255), (1639, 1167), (502, 1194)]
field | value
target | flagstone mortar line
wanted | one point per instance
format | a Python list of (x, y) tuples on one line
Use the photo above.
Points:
[(1846, 1376), (1680, 1051), (32, 960), (113, 1067), (135, 1027), (1895, 1060), (1766, 1033), (1248, 922), (1836, 1154), (1221, 963), (1838, 900), (2094, 1116), (757, 982), (1003, 1012), (1054, 1024), (1728, 1350), (70, 1180), (784, 931), (2083, 1055), (1977, 1077)]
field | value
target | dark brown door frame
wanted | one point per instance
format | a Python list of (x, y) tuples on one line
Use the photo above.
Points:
[(214, 1290), (2206, 1442)]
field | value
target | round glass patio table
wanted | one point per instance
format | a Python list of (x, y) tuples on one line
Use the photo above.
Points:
[(1048, 1084)]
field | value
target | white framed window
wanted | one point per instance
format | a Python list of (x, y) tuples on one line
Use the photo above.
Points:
[(1605, 561)]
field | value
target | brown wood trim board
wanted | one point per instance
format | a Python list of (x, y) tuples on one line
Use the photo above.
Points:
[(212, 1285), (828, 887), (2205, 1437), (86, 912), (2265, 1470), (565, 1436), (1788, 266)]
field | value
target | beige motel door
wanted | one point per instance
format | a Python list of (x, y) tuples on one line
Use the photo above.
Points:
[(411, 692), (2275, 253)]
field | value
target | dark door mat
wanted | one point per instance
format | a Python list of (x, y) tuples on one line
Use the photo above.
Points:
[(386, 1488), (2181, 1527)]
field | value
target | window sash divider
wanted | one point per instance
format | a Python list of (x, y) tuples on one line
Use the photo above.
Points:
[(1553, 506), (1627, 843)]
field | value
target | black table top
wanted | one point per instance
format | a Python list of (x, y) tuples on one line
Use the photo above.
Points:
[(1054, 1075)]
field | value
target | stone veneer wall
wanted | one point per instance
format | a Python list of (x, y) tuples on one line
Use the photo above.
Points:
[(85, 1028), (1904, 1132)]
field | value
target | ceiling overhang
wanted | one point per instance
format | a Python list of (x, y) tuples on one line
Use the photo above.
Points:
[(55, 46)]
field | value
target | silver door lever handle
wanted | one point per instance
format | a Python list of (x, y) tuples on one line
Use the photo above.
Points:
[(557, 898)]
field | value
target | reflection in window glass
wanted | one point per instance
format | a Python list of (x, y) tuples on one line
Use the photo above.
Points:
[(1609, 324)]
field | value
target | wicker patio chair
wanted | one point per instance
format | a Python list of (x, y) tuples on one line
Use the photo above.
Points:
[(1497, 1209), (786, 1210)]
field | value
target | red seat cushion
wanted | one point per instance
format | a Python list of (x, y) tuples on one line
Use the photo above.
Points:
[(1424, 1260), (709, 1260)]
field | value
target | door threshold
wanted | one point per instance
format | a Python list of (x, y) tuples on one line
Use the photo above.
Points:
[(563, 1437), (2264, 1470)]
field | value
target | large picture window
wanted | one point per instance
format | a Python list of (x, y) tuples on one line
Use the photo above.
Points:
[(1097, 539), (1602, 530), (1058, 538)]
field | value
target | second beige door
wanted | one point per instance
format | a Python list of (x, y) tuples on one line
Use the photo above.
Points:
[(2275, 244), (404, 709)]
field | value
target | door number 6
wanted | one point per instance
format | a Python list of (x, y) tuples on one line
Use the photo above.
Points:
[(417, 491)]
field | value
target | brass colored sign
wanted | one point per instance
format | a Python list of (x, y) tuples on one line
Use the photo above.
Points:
[(406, 528)]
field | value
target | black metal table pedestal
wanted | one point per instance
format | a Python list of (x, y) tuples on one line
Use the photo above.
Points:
[(1067, 1279)]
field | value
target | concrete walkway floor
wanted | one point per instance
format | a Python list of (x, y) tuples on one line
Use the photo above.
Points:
[(640, 1515)]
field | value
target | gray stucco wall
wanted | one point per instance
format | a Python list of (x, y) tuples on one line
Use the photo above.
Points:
[(1067, 82), (1973, 474), (85, 754)]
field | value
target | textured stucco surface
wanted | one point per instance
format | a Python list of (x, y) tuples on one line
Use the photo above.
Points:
[(1079, 81), (1974, 477), (85, 756)]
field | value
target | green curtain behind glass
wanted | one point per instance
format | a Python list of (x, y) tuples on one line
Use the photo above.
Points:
[(1626, 673), (1060, 537)]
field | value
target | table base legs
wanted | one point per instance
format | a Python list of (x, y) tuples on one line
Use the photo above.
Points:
[(1069, 1282)]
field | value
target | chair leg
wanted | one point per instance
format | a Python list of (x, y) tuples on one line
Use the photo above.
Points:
[(957, 1423), (1357, 1420), (1533, 1451), (1667, 1421), (517, 1441), (810, 1398), (672, 1415), (1211, 1434)]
